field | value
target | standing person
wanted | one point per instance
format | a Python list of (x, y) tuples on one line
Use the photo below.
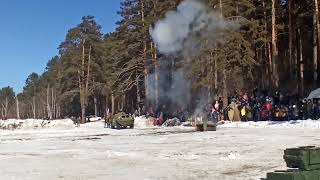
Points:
[(254, 104), (295, 112), (160, 120), (276, 98), (245, 97), (258, 111), (220, 101), (255, 92), (300, 107), (281, 99), (214, 115), (78, 121), (309, 109), (234, 113), (230, 110), (244, 107), (151, 112), (235, 95), (243, 113), (268, 108), (317, 111), (314, 114), (107, 119), (217, 106), (304, 109)]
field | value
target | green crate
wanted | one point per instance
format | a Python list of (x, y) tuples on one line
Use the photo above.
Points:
[(303, 158), (294, 175)]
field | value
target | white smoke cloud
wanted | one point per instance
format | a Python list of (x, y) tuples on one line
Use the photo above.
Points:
[(192, 16), (183, 32)]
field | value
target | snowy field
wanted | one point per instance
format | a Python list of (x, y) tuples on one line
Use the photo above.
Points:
[(239, 151)]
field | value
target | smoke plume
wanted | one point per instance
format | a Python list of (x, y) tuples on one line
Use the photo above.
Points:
[(183, 32), (173, 88), (172, 33)]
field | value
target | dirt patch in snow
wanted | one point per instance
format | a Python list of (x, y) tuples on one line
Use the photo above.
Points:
[(243, 169)]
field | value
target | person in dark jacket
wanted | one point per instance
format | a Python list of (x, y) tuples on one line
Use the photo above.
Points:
[(293, 112), (304, 109), (309, 109), (220, 101), (276, 99), (214, 116), (317, 110), (257, 108)]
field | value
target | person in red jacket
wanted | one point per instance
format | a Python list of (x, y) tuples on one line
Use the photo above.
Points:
[(268, 108), (268, 105)]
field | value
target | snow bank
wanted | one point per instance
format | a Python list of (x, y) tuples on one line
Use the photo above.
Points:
[(14, 124), (61, 124), (313, 124)]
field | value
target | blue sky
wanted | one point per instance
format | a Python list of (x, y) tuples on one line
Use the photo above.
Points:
[(31, 31)]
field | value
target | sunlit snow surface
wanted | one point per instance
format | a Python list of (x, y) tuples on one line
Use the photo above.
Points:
[(240, 151)]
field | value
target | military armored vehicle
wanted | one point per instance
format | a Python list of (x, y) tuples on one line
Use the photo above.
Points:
[(305, 164), (122, 121)]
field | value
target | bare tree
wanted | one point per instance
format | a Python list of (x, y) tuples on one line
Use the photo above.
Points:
[(290, 37), (316, 37), (49, 111), (275, 51), (17, 107)]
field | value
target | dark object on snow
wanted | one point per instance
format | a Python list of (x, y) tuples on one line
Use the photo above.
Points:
[(210, 127), (213, 117), (304, 160), (76, 121), (172, 122), (121, 121), (205, 125), (108, 120)]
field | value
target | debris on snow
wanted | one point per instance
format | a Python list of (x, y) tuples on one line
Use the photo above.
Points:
[(231, 156), (172, 122)]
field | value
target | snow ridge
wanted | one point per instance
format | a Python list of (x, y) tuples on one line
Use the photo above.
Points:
[(310, 124), (14, 124)]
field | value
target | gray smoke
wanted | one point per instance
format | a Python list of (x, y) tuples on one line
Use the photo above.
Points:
[(172, 34), (184, 32), (173, 88)]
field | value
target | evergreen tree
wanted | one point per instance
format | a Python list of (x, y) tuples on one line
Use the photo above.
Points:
[(79, 55), (7, 97)]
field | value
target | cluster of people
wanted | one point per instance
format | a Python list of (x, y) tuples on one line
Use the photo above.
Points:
[(261, 106), (256, 106)]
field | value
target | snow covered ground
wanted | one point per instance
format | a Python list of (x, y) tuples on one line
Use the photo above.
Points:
[(13, 124), (237, 151), (311, 124)]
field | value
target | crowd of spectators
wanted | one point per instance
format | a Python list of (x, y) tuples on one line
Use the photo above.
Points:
[(264, 106)]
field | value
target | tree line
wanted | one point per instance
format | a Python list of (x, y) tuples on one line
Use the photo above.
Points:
[(276, 48)]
